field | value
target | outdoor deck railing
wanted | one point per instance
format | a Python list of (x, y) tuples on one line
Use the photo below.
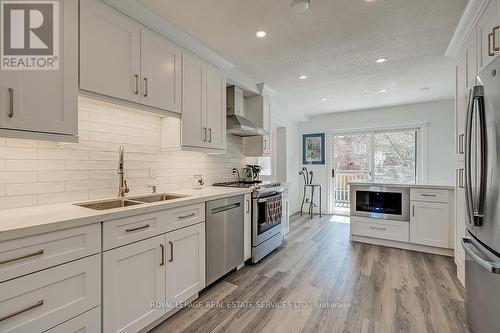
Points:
[(341, 188)]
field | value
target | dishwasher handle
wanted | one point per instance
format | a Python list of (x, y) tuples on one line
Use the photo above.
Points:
[(225, 208)]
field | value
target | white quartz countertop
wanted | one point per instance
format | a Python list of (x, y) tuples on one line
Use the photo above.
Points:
[(442, 186), (26, 221)]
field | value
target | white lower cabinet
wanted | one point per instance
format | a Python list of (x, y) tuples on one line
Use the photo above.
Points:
[(133, 278), (185, 260), (42, 300), (247, 225), (430, 224), (88, 322), (142, 281)]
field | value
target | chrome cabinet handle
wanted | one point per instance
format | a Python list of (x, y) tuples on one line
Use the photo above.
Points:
[(138, 228), (413, 211), (136, 76), (492, 267), (248, 206), (204, 134), (162, 247), (495, 46), (171, 251), (378, 228), (461, 143), (428, 195), (186, 216), (26, 256), (460, 178), (265, 144), (490, 39), (11, 103), (31, 307), (209, 135), (145, 87)]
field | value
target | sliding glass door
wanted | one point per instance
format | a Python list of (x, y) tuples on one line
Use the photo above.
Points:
[(388, 156)]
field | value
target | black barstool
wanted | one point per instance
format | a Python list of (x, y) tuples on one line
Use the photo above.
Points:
[(308, 178)]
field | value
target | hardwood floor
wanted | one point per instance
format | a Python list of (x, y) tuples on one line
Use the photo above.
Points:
[(319, 281)]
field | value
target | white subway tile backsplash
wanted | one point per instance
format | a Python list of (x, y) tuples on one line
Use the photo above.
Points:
[(9, 153), (18, 201), (23, 165), (62, 175), (33, 188), (14, 177), (42, 172)]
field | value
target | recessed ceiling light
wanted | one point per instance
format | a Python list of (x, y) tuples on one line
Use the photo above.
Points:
[(425, 88), (300, 6), (324, 99), (383, 90), (303, 77), (380, 60), (260, 34)]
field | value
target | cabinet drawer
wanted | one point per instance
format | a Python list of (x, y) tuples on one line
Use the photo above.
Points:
[(383, 229), (42, 300), (132, 229), (88, 322), (29, 254), (421, 194)]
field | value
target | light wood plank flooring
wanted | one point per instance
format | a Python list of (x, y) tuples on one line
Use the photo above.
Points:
[(359, 287)]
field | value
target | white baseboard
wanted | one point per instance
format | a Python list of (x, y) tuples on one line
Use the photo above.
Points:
[(403, 245)]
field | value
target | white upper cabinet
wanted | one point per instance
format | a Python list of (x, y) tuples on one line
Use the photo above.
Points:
[(161, 72), (258, 110), (110, 52), (216, 109), (45, 101), (120, 58), (194, 131), (203, 105), (488, 34)]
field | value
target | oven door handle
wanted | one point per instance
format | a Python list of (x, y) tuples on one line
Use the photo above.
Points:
[(265, 199)]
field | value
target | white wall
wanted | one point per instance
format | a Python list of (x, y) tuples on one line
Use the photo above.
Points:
[(439, 117)]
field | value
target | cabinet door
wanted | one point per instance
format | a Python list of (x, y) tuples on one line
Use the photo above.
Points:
[(460, 106), (45, 100), (247, 225), (161, 72), (88, 322), (430, 224), (109, 51), (216, 109), (460, 219), (133, 280), (488, 45), (185, 263), (194, 131), (471, 62)]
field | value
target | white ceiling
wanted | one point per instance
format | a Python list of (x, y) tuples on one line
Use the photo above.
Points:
[(335, 43)]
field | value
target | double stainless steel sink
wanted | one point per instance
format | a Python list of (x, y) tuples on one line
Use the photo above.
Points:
[(119, 203)]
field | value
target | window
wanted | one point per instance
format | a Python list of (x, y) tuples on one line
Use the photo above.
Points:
[(380, 156), (265, 164), (395, 156)]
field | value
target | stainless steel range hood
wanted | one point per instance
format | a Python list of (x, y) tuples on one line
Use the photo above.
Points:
[(237, 124)]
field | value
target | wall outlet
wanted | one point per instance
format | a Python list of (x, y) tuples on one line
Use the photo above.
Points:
[(152, 172)]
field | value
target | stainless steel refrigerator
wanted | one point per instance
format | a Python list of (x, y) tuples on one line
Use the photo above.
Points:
[(482, 192)]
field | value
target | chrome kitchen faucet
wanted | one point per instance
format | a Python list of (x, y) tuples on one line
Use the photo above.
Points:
[(122, 184)]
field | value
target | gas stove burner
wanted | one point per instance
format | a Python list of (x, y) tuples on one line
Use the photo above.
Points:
[(239, 184)]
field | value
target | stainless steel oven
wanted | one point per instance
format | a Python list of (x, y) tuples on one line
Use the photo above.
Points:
[(381, 202), (266, 231)]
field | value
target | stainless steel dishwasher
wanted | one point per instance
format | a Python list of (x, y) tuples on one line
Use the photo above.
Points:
[(224, 236)]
